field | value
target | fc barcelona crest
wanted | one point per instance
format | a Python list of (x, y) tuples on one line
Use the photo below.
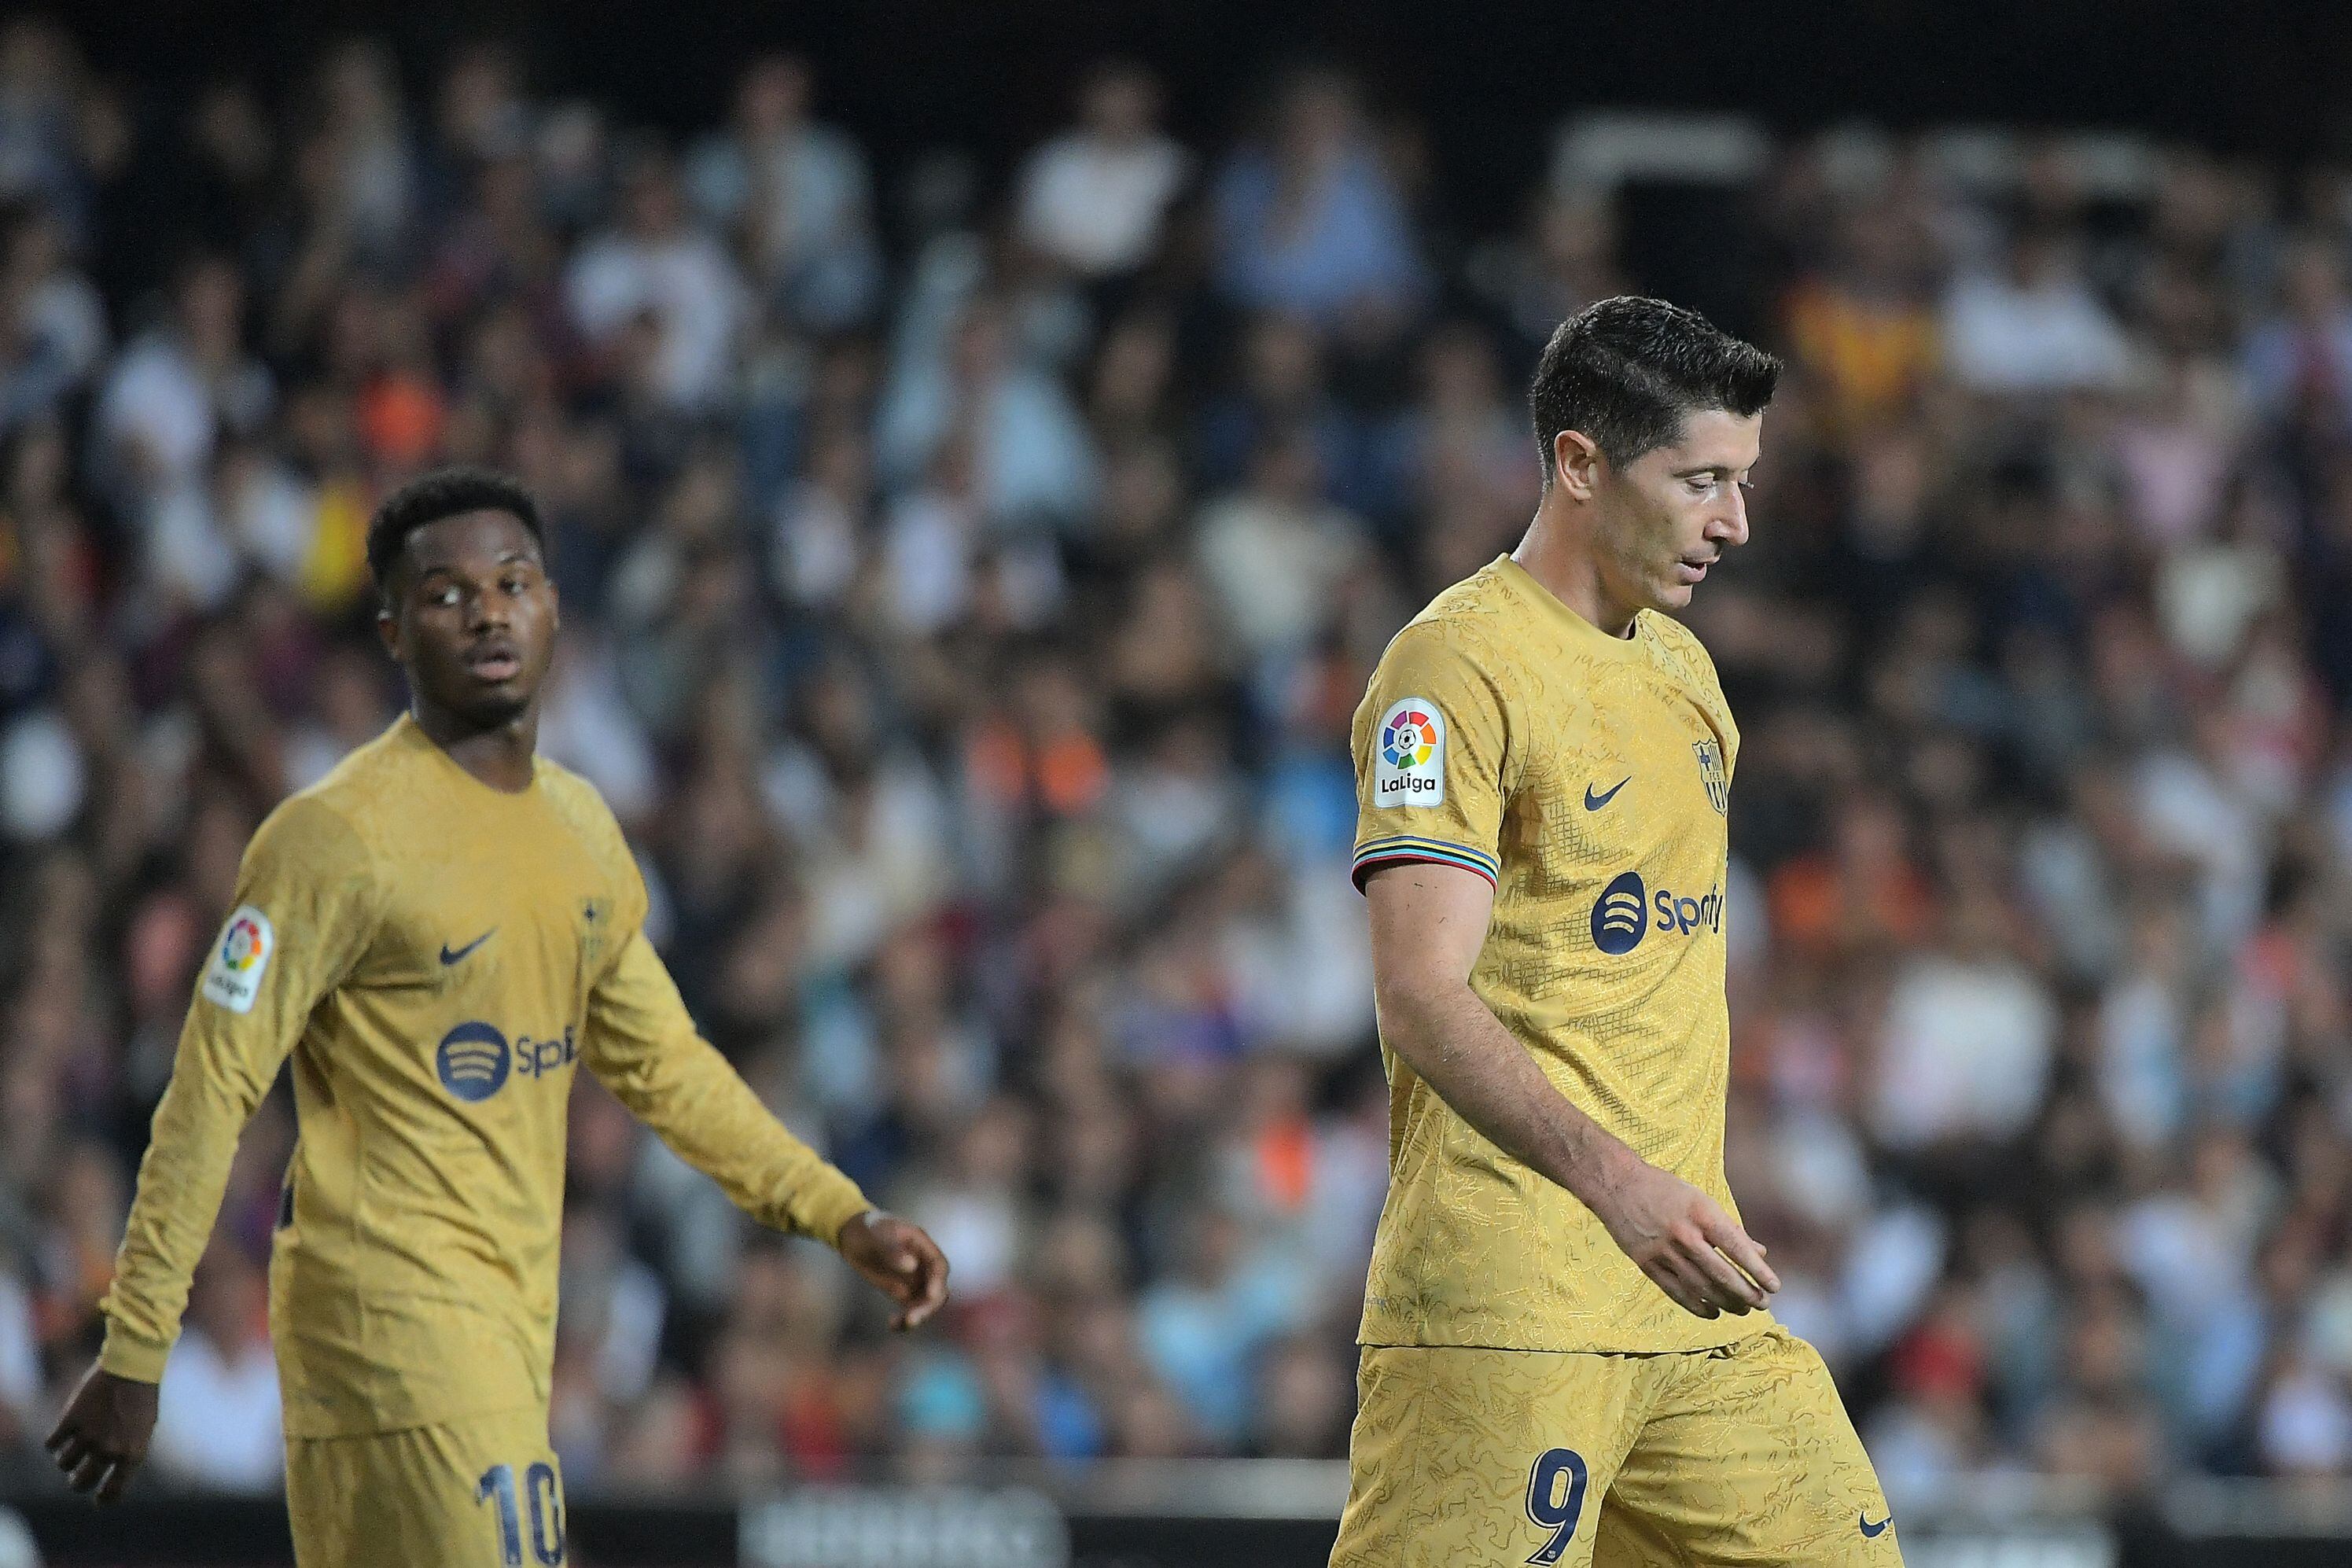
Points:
[(1711, 774)]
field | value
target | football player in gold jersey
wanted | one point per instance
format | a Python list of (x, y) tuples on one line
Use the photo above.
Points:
[(436, 932), (1568, 1356)]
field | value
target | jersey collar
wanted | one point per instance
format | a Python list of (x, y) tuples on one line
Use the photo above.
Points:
[(1582, 634)]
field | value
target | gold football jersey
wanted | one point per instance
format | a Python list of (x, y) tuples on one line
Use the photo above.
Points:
[(438, 956), (1587, 777)]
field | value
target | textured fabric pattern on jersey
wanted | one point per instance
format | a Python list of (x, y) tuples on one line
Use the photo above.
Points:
[(1592, 774), (1738, 1455)]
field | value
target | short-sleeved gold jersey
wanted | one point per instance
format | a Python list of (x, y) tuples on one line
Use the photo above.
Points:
[(436, 955), (1587, 777)]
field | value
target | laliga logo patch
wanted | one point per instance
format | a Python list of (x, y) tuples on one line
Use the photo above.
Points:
[(1409, 766), (244, 945), (233, 978)]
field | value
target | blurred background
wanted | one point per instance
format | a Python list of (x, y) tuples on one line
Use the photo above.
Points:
[(985, 451)]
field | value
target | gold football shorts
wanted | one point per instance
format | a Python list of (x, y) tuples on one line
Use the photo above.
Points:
[(1740, 1455), (485, 1491)]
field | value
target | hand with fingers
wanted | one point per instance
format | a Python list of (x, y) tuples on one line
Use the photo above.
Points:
[(900, 1260), (101, 1439), (1683, 1240)]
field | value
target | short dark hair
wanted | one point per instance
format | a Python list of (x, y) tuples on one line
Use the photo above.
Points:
[(445, 492), (1623, 371)]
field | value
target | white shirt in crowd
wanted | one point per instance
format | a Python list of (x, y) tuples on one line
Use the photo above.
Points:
[(1096, 203), (686, 283), (159, 405), (1275, 569), (217, 1420), (2005, 335), (1965, 1051), (21, 1391)]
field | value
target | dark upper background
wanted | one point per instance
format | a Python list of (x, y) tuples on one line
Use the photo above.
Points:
[(1488, 80)]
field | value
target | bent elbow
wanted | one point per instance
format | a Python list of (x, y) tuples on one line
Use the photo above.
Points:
[(1408, 1006)]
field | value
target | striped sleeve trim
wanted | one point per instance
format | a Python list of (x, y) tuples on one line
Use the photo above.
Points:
[(1402, 848)]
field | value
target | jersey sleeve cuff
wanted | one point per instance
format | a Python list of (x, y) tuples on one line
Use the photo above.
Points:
[(832, 1202), (1399, 850), (133, 1356)]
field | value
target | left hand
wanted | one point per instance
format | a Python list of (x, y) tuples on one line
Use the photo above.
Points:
[(101, 1439), (900, 1260)]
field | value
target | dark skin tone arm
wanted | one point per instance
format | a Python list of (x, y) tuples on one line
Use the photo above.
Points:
[(471, 616), (1428, 923), (101, 1439), (899, 1259)]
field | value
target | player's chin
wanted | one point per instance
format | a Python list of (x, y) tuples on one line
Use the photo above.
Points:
[(489, 703), (1672, 593)]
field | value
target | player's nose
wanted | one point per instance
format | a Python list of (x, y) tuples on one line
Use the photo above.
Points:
[(487, 612), (1729, 526)]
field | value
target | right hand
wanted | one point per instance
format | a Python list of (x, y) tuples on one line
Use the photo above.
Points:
[(101, 1439), (1683, 1240), (901, 1260)]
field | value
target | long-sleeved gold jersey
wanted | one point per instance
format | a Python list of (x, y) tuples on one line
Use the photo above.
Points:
[(436, 955)]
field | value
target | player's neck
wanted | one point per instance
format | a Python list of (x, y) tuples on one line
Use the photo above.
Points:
[(499, 756), (1561, 557)]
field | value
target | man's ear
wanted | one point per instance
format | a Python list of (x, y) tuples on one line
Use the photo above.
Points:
[(1575, 464), (387, 627)]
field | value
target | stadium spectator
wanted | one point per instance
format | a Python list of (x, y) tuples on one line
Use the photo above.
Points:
[(1032, 460), (176, 390), (2298, 361), (2034, 325), (657, 297), (1274, 553), (1094, 198), (55, 322), (1310, 219), (797, 196)]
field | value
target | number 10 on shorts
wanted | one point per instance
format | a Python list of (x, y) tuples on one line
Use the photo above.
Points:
[(498, 1485), (1555, 1499)]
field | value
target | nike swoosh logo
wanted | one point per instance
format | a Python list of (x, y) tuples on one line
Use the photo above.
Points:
[(1873, 1530), (1595, 802), (449, 958)]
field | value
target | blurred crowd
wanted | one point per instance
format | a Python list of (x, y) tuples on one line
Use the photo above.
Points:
[(968, 576)]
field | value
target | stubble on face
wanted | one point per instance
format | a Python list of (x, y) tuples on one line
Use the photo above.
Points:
[(1671, 516)]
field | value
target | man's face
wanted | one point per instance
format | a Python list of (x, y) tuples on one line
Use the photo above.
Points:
[(473, 616), (1668, 515)]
